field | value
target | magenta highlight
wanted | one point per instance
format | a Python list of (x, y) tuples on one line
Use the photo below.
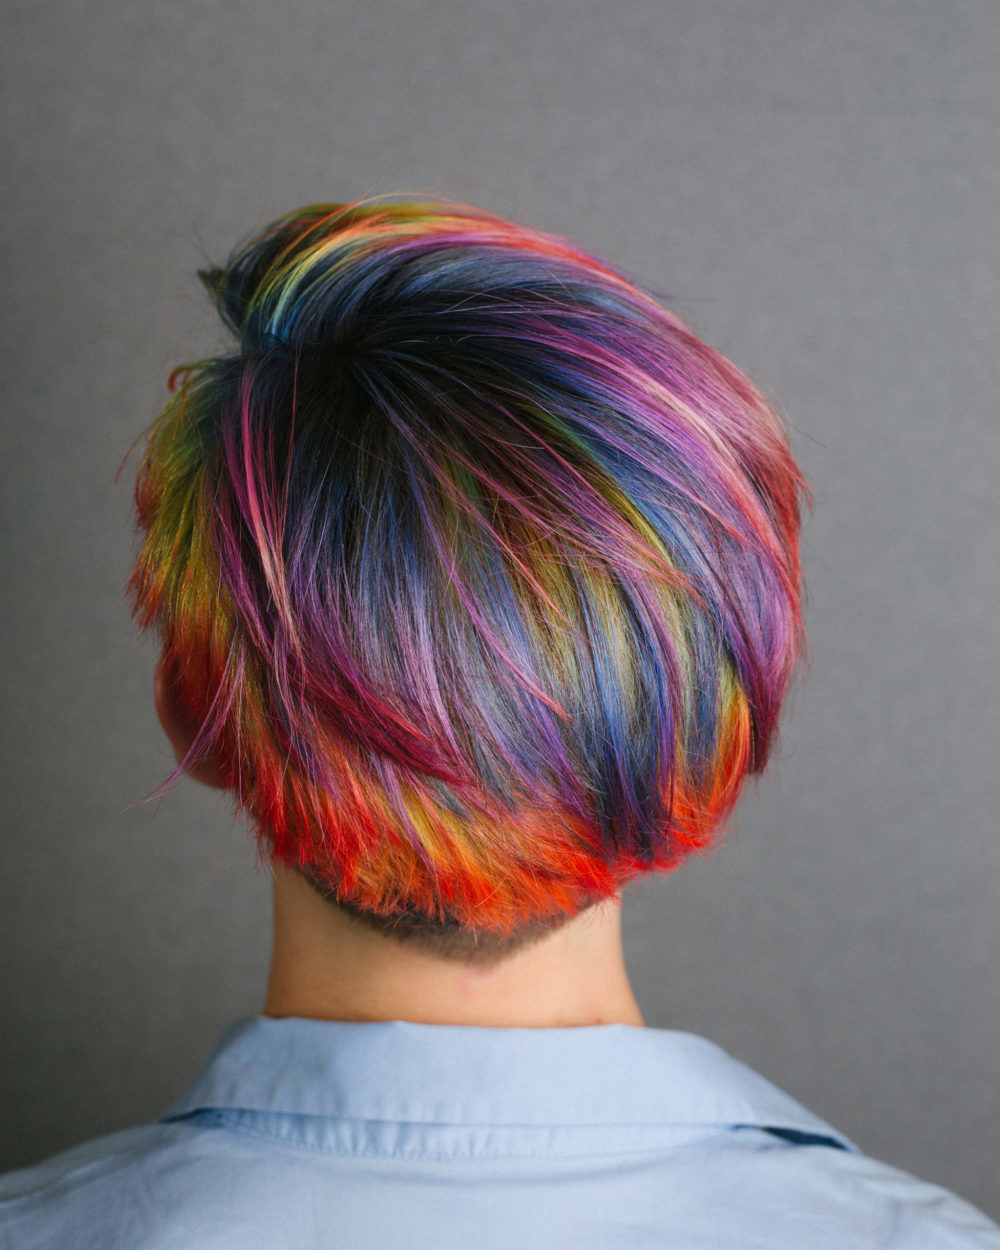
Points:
[(477, 570)]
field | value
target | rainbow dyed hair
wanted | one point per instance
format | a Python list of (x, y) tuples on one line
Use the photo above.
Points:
[(476, 568)]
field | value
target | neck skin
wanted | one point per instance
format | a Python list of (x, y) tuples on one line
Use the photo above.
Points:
[(326, 965)]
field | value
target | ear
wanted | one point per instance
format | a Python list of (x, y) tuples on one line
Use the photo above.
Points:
[(180, 730)]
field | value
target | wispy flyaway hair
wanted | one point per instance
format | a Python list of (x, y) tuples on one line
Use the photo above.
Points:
[(476, 568)]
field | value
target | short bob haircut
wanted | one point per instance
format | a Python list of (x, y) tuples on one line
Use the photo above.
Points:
[(477, 570)]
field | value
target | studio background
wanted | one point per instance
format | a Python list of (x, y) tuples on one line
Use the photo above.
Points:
[(815, 188)]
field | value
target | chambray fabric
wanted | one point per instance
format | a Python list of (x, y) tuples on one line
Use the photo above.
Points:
[(308, 1134)]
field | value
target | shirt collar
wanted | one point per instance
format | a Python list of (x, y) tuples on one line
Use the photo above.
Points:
[(435, 1074)]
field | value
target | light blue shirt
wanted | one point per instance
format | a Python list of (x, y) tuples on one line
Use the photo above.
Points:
[(309, 1134)]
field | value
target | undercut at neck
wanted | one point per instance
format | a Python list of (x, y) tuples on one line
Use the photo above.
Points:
[(445, 938)]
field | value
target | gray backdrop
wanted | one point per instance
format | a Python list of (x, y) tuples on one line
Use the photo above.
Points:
[(815, 186)]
